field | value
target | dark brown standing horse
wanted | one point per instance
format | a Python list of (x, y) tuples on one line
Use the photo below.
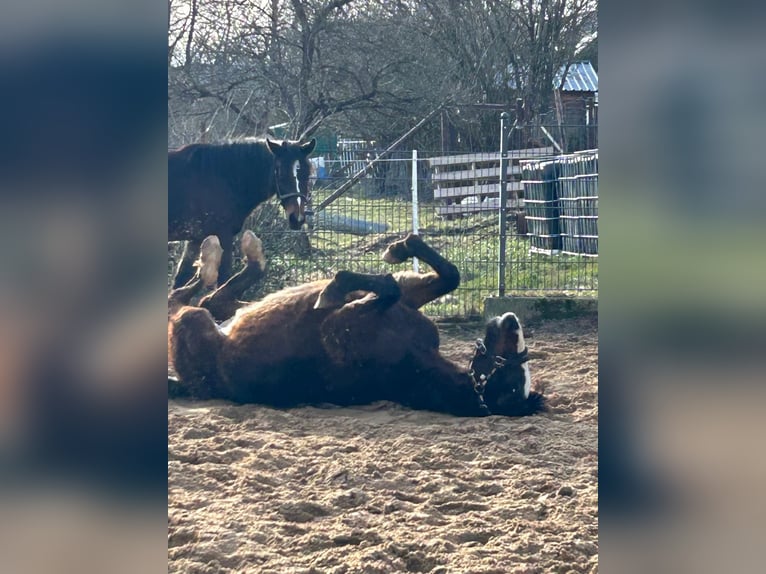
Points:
[(212, 188), (354, 339)]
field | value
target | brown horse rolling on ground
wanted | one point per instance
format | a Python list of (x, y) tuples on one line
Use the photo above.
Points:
[(354, 339)]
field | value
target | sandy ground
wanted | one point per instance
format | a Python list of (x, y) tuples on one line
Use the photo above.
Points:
[(385, 489)]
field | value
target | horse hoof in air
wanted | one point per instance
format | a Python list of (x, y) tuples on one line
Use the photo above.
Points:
[(252, 248), (209, 260)]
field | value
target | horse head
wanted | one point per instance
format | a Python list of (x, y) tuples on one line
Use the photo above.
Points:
[(292, 170), (500, 370)]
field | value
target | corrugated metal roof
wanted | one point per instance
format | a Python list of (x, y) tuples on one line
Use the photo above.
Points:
[(581, 77)]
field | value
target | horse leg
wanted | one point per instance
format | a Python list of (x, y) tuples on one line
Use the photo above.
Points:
[(224, 301), (227, 240), (345, 282), (205, 277), (419, 289), (185, 271)]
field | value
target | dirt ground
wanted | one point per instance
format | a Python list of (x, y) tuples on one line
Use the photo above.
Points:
[(382, 489)]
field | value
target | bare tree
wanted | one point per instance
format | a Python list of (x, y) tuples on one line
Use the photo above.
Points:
[(368, 67), (291, 62), (494, 51), (547, 33)]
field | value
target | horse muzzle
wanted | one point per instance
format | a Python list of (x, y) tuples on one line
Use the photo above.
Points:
[(296, 221)]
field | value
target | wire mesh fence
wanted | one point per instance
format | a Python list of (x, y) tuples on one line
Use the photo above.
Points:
[(455, 208)]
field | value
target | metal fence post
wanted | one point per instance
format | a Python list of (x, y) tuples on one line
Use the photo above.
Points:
[(415, 222), (504, 117)]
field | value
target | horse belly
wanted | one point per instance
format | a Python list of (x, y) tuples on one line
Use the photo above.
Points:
[(200, 207), (270, 358), (278, 383)]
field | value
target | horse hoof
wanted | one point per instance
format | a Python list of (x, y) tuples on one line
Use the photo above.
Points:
[(252, 247), (210, 253), (396, 253)]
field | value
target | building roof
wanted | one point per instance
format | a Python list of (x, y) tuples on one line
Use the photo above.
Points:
[(581, 77)]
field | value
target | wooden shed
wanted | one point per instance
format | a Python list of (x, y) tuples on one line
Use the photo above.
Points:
[(574, 117), (577, 105)]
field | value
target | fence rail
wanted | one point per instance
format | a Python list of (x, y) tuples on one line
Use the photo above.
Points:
[(470, 183)]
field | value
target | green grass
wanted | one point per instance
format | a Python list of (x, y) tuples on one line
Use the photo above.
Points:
[(472, 243)]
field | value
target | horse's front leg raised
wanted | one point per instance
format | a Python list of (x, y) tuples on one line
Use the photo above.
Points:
[(421, 288), (224, 301), (205, 277), (345, 282)]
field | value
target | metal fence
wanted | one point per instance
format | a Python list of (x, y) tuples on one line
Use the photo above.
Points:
[(403, 192)]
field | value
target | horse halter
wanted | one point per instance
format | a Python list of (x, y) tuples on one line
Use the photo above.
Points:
[(499, 362), (297, 193), (282, 197)]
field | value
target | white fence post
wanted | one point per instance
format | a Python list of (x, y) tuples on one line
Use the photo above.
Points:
[(415, 223), (504, 117)]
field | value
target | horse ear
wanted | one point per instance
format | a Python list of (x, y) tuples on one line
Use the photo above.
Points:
[(275, 147), (307, 148)]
